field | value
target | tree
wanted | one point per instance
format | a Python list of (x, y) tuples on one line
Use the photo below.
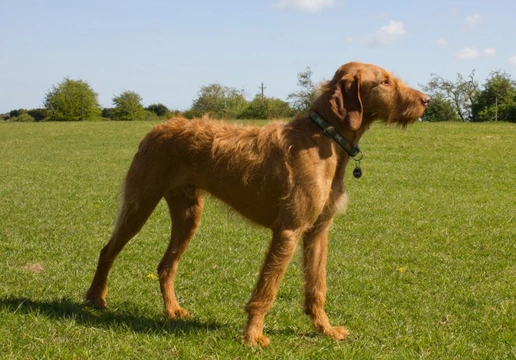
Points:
[(279, 109), (440, 109), (16, 112), (38, 114), (72, 100), (302, 99), (128, 107), (160, 110), (262, 107), (107, 113), (22, 117), (461, 93), (219, 101), (497, 100), (256, 109)]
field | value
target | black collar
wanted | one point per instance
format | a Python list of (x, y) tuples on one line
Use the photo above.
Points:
[(331, 132)]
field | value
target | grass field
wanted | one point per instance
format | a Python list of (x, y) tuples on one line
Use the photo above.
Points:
[(423, 265)]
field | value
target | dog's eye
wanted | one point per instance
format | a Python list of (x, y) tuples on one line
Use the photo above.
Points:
[(386, 82)]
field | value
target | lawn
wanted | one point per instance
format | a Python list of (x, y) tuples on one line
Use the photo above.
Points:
[(422, 265)]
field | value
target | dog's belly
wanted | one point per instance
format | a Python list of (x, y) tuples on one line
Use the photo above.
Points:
[(255, 205)]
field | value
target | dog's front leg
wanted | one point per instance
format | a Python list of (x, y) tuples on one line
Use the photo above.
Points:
[(280, 253), (315, 242)]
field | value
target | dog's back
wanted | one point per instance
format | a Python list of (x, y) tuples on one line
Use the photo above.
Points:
[(247, 167)]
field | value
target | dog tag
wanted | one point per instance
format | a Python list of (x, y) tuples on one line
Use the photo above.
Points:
[(357, 172)]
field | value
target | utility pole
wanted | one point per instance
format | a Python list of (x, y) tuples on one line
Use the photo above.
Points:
[(262, 88)]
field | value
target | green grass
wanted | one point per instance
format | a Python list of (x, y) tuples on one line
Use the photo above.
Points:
[(421, 266)]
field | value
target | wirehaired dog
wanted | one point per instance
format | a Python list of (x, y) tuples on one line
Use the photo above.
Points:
[(287, 177)]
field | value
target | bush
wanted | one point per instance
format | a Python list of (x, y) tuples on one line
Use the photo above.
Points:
[(24, 117), (256, 109), (72, 100), (128, 107), (160, 110), (279, 109), (151, 116), (16, 113), (107, 113), (440, 109), (266, 108), (39, 114), (219, 102)]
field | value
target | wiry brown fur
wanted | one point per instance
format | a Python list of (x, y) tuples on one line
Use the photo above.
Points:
[(284, 176)]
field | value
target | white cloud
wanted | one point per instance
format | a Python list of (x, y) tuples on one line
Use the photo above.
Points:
[(441, 42), (473, 20), (489, 51), (306, 6), (468, 53), (512, 60), (387, 34), (472, 53)]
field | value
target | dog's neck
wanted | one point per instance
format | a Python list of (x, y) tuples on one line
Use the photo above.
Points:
[(330, 131)]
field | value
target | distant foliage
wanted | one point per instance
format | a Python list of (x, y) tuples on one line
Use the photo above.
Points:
[(266, 108), (23, 117), (107, 113), (128, 107), (302, 99), (39, 114), (72, 100), (440, 109), (461, 99), (17, 112), (497, 100), (218, 101), (160, 110), (151, 116), (278, 109), (461, 92)]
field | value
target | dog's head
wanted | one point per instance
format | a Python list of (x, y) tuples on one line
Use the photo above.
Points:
[(361, 93)]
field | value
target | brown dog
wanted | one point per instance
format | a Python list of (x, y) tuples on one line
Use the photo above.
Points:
[(287, 177)]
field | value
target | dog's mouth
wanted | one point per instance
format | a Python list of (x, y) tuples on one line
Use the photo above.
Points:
[(408, 113)]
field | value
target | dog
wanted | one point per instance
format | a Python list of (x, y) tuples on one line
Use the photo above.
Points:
[(287, 177)]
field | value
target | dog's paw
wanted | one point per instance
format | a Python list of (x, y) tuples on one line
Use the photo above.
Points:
[(97, 301), (334, 332), (256, 340), (177, 313), (339, 333)]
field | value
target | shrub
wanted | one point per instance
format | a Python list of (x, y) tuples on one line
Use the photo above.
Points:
[(39, 114), (72, 100), (23, 117), (128, 107), (151, 116)]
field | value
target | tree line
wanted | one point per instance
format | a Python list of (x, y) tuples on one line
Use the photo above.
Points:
[(75, 100), (462, 99)]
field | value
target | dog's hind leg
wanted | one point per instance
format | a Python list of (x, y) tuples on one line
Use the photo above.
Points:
[(185, 206), (280, 253), (141, 195), (315, 242)]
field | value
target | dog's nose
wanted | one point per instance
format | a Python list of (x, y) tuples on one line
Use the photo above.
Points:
[(425, 100)]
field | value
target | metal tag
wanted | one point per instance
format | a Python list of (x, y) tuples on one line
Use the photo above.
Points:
[(357, 172)]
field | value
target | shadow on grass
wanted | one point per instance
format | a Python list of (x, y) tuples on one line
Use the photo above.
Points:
[(88, 316)]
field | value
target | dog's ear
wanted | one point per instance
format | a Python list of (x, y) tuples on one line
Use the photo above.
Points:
[(346, 102)]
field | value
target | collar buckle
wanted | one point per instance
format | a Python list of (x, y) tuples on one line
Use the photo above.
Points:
[(332, 133)]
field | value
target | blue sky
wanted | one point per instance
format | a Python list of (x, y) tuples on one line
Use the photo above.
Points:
[(166, 50)]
